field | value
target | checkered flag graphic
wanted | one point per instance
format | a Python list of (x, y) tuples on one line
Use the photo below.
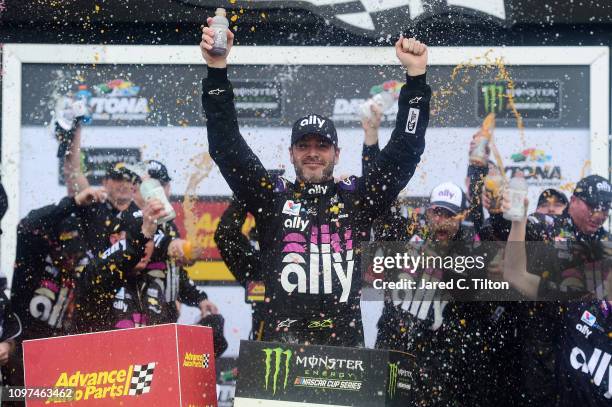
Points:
[(206, 360), (141, 379)]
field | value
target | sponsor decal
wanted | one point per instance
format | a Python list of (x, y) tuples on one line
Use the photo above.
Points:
[(325, 250), (397, 379), (584, 330), (286, 323), (216, 92), (536, 165), (256, 291), (603, 187), (532, 99), (415, 100), (53, 299), (317, 189), (292, 208), (274, 365), (413, 120), (597, 366), (258, 99), (588, 318), (313, 119), (296, 223), (200, 360), (132, 380), (325, 323), (392, 379)]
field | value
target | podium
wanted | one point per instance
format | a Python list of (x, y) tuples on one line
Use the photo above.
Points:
[(274, 374), (157, 366)]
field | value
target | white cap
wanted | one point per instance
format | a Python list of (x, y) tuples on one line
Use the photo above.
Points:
[(448, 195)]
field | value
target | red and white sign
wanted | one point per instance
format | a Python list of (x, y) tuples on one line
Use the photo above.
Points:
[(158, 366)]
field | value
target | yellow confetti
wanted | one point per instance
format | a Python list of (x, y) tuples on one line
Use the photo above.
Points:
[(97, 8), (234, 18), (463, 322)]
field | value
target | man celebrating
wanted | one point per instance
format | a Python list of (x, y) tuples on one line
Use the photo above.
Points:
[(310, 230)]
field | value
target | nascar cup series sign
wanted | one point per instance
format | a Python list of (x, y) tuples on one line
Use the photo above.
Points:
[(301, 375), (164, 365)]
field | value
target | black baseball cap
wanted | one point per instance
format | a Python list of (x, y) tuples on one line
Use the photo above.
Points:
[(595, 190), (552, 193), (314, 124), (120, 171), (158, 171), (70, 236)]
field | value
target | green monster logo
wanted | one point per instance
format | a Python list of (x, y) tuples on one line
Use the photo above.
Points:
[(278, 356), (392, 378), (493, 98)]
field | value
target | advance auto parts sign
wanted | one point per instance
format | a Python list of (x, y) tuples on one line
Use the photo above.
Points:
[(132, 380), (311, 374)]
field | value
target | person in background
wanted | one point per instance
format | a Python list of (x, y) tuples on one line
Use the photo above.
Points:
[(551, 202), (242, 257)]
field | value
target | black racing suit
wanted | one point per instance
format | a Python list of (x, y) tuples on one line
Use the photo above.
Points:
[(41, 292), (309, 233), (45, 296), (149, 297), (100, 223), (584, 354), (102, 277), (241, 258), (561, 262), (467, 346)]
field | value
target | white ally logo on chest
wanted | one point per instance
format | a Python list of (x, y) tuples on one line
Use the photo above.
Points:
[(325, 253)]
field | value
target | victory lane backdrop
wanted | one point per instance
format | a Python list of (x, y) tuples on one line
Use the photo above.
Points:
[(154, 112)]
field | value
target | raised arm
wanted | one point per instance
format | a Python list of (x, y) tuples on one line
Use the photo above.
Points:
[(515, 262), (68, 133), (396, 163), (370, 140), (240, 167)]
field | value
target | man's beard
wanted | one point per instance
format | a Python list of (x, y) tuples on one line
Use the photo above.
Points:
[(325, 174)]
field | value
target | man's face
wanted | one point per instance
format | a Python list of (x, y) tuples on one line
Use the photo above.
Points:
[(552, 206), (120, 191), (314, 158), (443, 224), (586, 219)]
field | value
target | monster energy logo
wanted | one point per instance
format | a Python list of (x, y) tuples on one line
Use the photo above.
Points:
[(392, 378), (493, 98), (278, 356)]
